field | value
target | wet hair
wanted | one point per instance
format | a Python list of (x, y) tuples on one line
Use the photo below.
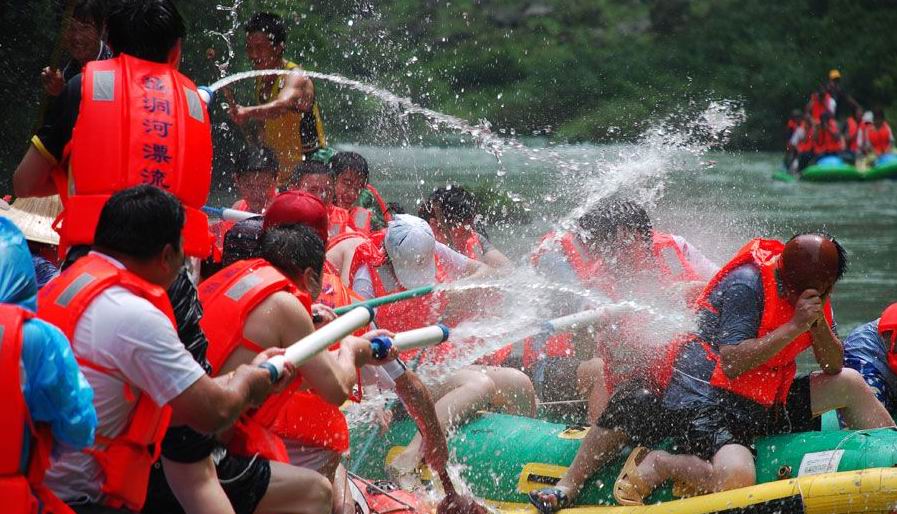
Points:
[(458, 205), (307, 168), (345, 161), (90, 11), (270, 25), (293, 249), (878, 114), (253, 159), (242, 241), (842, 253), (425, 211), (139, 222), (604, 221), (146, 29)]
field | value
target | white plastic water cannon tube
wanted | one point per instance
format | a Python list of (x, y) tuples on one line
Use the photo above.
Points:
[(420, 337), (320, 339), (584, 318), (235, 215)]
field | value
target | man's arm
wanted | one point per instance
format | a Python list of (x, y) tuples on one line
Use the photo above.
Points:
[(281, 320), (827, 347), (213, 404), (739, 358), (33, 175), (297, 95), (419, 404)]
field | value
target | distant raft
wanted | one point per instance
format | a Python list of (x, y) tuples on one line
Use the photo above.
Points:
[(505, 457), (834, 169)]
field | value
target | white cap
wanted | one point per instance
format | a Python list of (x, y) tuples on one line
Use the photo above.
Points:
[(868, 117), (410, 245)]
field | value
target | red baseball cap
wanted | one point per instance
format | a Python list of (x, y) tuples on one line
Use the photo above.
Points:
[(888, 320), (298, 207)]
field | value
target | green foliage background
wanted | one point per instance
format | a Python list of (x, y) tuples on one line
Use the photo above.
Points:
[(574, 70)]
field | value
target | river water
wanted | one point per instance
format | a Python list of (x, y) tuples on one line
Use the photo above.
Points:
[(717, 202)]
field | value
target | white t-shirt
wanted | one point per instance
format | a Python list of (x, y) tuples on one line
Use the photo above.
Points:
[(122, 331), (454, 264)]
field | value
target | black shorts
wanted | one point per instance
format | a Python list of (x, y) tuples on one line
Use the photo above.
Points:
[(554, 378), (244, 480), (637, 410), (733, 419)]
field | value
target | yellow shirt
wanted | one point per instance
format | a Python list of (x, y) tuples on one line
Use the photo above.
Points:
[(293, 134)]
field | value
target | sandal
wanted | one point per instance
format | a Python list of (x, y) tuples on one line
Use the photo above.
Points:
[(562, 500), (630, 489), (683, 490)]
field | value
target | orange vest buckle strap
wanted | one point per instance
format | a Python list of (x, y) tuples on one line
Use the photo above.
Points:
[(769, 383), (125, 459), (154, 129)]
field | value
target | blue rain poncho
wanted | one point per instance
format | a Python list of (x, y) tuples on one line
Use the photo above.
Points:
[(55, 390)]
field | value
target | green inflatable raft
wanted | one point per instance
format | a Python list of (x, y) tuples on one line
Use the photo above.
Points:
[(505, 457), (834, 169), (831, 169)]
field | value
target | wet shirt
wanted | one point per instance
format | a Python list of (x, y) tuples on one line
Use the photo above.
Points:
[(865, 352)]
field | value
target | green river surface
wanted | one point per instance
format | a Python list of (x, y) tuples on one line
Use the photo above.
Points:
[(716, 207)]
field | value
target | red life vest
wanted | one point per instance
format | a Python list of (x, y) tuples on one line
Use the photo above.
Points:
[(819, 106), (827, 139), (229, 297), (805, 145), (23, 491), (125, 459), (853, 131), (338, 218), (384, 208), (770, 382), (879, 138), (153, 128)]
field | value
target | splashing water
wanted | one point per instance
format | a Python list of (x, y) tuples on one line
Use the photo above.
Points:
[(527, 298), (227, 36)]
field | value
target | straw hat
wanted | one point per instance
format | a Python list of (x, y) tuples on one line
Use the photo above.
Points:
[(34, 217)]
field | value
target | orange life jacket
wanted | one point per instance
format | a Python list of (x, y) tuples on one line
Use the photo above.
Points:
[(125, 459), (827, 139), (853, 131), (770, 382), (153, 128), (805, 145), (384, 208), (819, 106), (23, 491), (669, 260), (879, 138), (229, 297), (309, 419)]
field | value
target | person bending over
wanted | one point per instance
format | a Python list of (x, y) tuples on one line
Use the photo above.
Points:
[(871, 349)]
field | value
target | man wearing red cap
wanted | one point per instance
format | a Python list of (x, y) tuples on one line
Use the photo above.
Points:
[(871, 349)]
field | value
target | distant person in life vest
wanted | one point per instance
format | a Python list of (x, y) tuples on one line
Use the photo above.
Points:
[(876, 138), (291, 122), (47, 402)]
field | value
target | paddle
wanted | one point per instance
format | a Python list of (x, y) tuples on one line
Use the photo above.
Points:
[(320, 339), (390, 298), (454, 503)]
